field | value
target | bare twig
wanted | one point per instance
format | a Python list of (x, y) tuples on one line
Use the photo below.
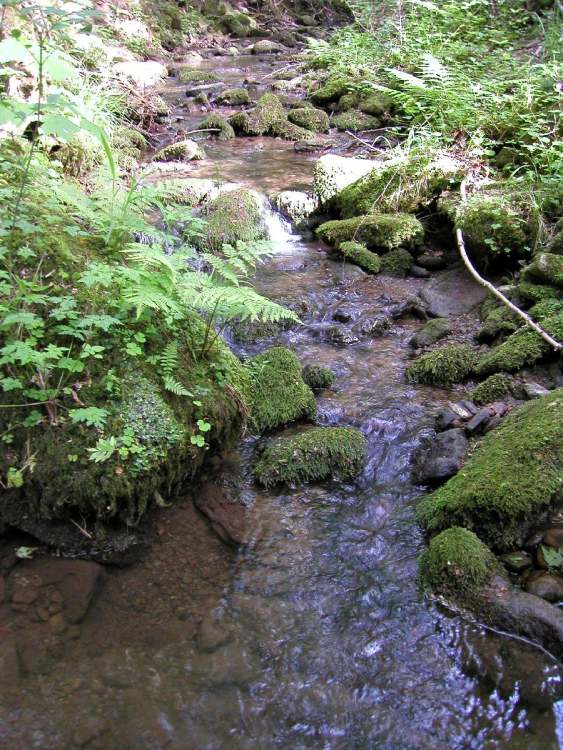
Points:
[(82, 529)]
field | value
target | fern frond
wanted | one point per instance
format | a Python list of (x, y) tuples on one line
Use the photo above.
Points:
[(175, 387)]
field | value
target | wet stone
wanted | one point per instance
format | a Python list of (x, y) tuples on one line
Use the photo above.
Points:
[(343, 314), (211, 634), (431, 262), (419, 273), (534, 390), (546, 586), (478, 422), (553, 537), (441, 457), (517, 562), (9, 665), (340, 336), (445, 419)]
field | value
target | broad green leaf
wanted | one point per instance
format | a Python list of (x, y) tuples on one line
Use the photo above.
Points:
[(59, 126), (12, 50)]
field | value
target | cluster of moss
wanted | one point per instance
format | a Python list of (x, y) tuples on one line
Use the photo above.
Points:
[(331, 91), (234, 97), (443, 367), (532, 293), (231, 217), (397, 263), (237, 24), (193, 75), (524, 347), (498, 322), (288, 131), (186, 150), (355, 121), (545, 268), (457, 564), (356, 252), (318, 453), (318, 377), (217, 123), (495, 388), (376, 231), (431, 332), (309, 118), (512, 477), (280, 395), (259, 121)]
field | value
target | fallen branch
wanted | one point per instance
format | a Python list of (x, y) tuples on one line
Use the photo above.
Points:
[(487, 284)]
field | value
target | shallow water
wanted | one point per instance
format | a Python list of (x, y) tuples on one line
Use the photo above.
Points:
[(314, 635)]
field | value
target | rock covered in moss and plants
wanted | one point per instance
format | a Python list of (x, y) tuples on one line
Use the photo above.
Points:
[(510, 480), (260, 120), (236, 23), (318, 377), (310, 456), (356, 252), (234, 216), (545, 268), (495, 388), (280, 395), (186, 150), (443, 367), (184, 192), (531, 293), (331, 91), (499, 322), (309, 118), (400, 183), (219, 125), (332, 173), (430, 333), (266, 47), (233, 97), (524, 347), (378, 104), (397, 263), (195, 75), (457, 565), (288, 131), (295, 205), (377, 231), (355, 121)]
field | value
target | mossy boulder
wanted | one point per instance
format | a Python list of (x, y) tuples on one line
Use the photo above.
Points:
[(355, 121), (234, 216), (430, 333), (309, 118), (443, 367), (316, 454), (498, 322), (233, 97), (378, 104), (221, 127), (532, 293), (331, 91), (403, 183), (545, 268), (332, 173), (510, 480), (194, 75), (280, 395), (295, 205), (186, 150), (495, 388), (318, 377), (377, 231), (266, 47), (457, 565), (282, 128), (356, 252), (397, 263), (260, 120)]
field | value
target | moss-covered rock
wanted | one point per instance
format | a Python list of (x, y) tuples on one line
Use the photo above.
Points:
[(495, 388), (457, 565), (431, 332), (266, 47), (510, 480), (318, 377), (356, 252), (282, 128), (377, 231), (498, 322), (378, 104), (443, 367), (221, 126), (234, 216), (348, 102), (404, 183), (524, 347), (533, 293), (332, 173), (309, 118), (318, 453), (186, 150), (355, 121), (545, 268), (295, 205), (193, 75), (397, 263), (233, 97), (331, 91), (259, 121), (280, 395)]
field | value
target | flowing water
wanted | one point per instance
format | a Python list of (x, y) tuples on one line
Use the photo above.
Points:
[(314, 634)]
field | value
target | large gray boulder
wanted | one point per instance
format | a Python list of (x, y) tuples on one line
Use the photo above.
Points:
[(452, 293)]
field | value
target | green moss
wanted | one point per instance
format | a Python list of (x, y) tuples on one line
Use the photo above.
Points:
[(524, 347), (193, 75), (443, 367), (318, 453), (280, 395), (309, 118), (234, 97), (355, 121), (284, 129), (545, 268), (185, 150), (431, 332), (457, 564), (377, 231), (511, 478), (356, 252), (495, 388), (233, 216), (220, 124), (498, 322), (268, 111), (348, 102), (397, 263), (377, 104), (318, 377), (536, 292), (331, 91)]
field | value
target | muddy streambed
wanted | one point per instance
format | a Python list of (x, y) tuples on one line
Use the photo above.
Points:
[(314, 634)]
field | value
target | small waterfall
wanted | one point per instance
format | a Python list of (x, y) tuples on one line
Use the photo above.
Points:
[(278, 228)]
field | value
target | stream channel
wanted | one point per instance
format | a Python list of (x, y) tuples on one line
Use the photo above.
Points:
[(314, 633)]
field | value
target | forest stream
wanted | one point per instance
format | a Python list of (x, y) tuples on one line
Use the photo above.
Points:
[(313, 633)]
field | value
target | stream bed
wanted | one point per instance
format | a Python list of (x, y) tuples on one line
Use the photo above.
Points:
[(313, 634)]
